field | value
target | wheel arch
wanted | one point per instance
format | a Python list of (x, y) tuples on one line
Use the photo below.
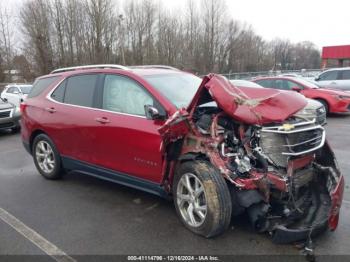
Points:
[(33, 136)]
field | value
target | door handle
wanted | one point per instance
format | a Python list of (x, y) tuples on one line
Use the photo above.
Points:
[(333, 83), (51, 110), (102, 120)]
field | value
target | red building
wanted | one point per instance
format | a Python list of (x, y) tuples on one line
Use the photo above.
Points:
[(339, 53)]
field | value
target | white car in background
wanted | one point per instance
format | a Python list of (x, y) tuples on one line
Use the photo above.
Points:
[(15, 93), (338, 78), (313, 109)]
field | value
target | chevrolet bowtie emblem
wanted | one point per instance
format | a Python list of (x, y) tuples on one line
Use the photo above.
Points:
[(288, 127)]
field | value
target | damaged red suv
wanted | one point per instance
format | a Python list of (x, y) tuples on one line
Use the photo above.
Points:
[(217, 150)]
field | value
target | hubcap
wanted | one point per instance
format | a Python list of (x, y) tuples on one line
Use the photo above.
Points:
[(191, 200), (45, 156)]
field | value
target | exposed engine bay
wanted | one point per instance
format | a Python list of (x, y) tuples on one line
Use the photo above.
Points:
[(281, 172)]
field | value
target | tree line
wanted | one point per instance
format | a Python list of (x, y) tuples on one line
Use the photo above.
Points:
[(201, 37)]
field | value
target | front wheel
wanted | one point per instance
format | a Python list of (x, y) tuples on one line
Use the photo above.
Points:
[(46, 157), (202, 199)]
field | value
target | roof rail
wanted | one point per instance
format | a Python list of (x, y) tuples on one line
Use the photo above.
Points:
[(154, 66), (66, 69)]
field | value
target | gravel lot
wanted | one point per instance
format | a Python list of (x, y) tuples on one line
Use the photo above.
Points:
[(82, 215)]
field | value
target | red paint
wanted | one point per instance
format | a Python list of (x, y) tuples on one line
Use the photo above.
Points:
[(138, 146), (335, 103), (336, 198), (251, 105)]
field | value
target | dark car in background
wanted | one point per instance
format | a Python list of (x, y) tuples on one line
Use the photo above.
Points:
[(9, 116), (334, 101)]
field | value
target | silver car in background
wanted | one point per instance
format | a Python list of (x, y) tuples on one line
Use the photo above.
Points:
[(313, 109), (9, 116), (338, 78)]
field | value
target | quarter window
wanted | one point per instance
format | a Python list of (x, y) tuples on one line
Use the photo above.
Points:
[(80, 90), (58, 94), (124, 95)]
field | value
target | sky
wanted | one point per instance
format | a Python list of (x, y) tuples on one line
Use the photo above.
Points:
[(321, 22)]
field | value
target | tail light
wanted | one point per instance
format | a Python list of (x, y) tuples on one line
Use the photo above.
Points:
[(22, 107)]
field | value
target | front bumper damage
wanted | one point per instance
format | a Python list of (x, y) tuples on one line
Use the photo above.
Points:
[(324, 215), (283, 174)]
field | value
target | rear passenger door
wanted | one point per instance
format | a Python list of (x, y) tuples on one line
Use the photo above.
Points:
[(71, 117), (128, 142)]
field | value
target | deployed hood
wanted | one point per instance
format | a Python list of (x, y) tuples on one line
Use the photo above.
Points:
[(248, 105)]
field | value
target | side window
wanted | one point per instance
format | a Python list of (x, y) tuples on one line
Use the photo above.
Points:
[(80, 90), (265, 83), (345, 75), (328, 76), (41, 84), (121, 94), (58, 94), (280, 84), (290, 84)]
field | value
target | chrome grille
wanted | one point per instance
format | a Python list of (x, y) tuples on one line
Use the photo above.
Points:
[(4, 114), (279, 143)]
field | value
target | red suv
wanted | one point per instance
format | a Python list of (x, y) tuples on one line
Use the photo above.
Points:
[(215, 149)]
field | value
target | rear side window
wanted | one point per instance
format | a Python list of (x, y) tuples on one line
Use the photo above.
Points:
[(345, 75), (41, 84), (80, 90)]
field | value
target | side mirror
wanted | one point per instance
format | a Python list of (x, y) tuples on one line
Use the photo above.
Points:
[(317, 78), (16, 92), (5, 99), (152, 112), (296, 88)]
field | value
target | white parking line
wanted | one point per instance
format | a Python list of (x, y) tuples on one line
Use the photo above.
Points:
[(42, 243)]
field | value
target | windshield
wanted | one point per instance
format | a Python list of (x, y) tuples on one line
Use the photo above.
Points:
[(26, 89), (308, 83), (178, 88)]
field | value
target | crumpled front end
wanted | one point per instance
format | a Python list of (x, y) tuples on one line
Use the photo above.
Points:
[(279, 168)]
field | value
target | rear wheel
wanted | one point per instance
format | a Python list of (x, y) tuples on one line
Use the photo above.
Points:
[(202, 199), (46, 157)]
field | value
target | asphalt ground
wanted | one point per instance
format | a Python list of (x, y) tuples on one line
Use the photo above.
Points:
[(81, 215)]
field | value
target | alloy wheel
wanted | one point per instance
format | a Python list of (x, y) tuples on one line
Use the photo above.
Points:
[(191, 200)]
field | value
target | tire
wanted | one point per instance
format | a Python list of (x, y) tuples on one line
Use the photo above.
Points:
[(52, 170), (325, 104), (212, 193)]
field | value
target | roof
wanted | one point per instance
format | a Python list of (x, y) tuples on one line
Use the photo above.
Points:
[(336, 52)]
